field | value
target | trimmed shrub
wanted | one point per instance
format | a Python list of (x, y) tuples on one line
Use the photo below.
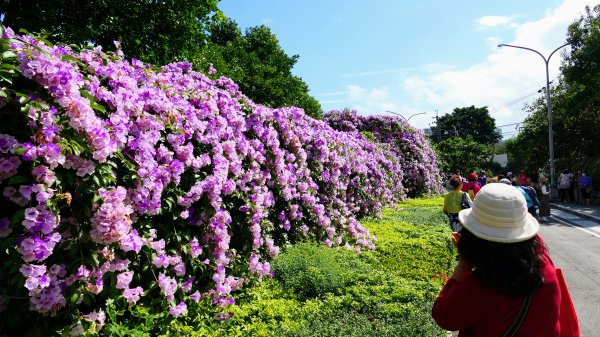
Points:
[(309, 270)]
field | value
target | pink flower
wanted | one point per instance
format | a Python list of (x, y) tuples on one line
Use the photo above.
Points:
[(123, 280), (132, 295), (168, 286), (179, 309)]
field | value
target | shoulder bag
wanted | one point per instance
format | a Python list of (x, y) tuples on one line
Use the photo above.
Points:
[(569, 324), (465, 202), (520, 317)]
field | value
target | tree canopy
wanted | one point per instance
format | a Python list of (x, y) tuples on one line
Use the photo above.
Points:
[(462, 154), (259, 65), (154, 31), (162, 32), (469, 121)]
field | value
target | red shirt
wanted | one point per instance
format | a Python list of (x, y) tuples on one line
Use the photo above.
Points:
[(523, 181), (476, 312), (471, 185)]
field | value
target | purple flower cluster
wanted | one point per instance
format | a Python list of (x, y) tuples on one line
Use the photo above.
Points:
[(184, 173), (418, 160)]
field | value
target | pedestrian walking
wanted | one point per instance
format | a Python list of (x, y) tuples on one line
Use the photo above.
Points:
[(585, 188), (522, 179), (572, 186), (577, 197), (482, 178), (545, 200), (471, 186), (531, 198), (534, 181), (564, 184), (455, 201), (503, 269)]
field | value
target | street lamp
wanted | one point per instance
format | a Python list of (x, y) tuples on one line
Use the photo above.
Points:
[(550, 135), (420, 113)]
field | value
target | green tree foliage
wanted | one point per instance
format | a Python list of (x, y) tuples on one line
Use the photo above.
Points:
[(161, 32), (158, 32), (458, 154), (581, 72), (259, 65), (469, 121)]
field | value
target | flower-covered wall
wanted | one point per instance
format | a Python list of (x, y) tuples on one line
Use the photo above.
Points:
[(125, 184), (421, 174)]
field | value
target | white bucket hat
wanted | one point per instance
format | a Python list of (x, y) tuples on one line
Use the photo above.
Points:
[(499, 214)]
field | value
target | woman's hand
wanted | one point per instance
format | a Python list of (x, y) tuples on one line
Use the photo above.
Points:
[(462, 268), (455, 238)]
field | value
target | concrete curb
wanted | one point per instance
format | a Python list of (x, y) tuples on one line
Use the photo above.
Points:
[(580, 212)]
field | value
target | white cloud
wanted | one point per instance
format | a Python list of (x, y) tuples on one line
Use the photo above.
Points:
[(504, 80), (506, 74), (493, 21)]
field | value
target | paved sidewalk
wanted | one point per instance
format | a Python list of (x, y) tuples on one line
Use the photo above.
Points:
[(587, 217)]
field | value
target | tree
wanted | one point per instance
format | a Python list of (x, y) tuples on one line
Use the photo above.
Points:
[(158, 32), (258, 64), (581, 75), (162, 32), (464, 155), (466, 121)]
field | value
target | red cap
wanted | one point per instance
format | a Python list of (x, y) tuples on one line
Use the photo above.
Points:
[(472, 177)]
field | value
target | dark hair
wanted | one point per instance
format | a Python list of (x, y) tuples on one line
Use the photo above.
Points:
[(511, 268), (455, 181)]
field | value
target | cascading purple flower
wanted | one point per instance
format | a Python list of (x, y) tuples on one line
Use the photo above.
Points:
[(111, 222), (231, 176)]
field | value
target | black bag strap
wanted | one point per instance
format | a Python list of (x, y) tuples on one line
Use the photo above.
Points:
[(524, 308)]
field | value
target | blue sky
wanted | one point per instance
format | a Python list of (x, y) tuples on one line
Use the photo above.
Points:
[(411, 57)]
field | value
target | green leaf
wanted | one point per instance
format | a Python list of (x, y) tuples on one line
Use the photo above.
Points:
[(70, 58), (17, 180), (97, 107), (6, 76), (9, 54), (18, 217)]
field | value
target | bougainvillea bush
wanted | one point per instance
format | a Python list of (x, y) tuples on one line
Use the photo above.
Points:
[(158, 189), (417, 158)]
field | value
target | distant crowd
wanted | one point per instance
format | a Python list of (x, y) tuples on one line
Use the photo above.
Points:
[(572, 186)]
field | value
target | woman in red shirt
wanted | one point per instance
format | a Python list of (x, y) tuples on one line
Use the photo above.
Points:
[(502, 260), (471, 187)]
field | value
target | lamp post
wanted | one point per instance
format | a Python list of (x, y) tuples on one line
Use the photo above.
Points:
[(550, 135), (406, 119)]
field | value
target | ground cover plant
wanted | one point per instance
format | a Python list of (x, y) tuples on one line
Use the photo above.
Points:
[(137, 199), (385, 292)]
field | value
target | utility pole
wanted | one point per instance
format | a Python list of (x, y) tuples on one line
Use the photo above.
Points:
[(437, 126)]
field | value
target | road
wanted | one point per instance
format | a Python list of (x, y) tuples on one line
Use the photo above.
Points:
[(577, 251)]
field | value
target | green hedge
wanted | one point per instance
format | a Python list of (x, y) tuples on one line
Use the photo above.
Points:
[(319, 291)]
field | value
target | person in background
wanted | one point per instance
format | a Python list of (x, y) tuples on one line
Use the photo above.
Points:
[(564, 184), (453, 202), (510, 177), (534, 182), (471, 186), (482, 178), (573, 186), (522, 179), (530, 197), (545, 200), (503, 265), (585, 186)]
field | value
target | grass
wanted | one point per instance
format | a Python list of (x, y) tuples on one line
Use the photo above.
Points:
[(321, 291)]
